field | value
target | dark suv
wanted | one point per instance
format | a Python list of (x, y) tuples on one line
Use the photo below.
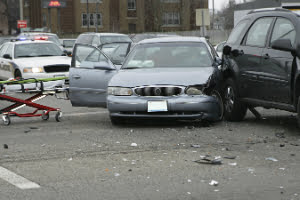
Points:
[(261, 63)]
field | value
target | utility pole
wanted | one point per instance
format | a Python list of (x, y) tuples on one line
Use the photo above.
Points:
[(21, 10), (87, 15)]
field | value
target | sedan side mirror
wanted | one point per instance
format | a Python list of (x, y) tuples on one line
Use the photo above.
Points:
[(283, 45), (6, 56)]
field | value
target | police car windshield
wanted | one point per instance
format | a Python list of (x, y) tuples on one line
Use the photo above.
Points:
[(37, 50)]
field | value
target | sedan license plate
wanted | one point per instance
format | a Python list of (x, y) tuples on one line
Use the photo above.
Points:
[(157, 106)]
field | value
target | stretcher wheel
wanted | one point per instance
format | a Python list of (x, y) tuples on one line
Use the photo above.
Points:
[(58, 116), (6, 120), (45, 116)]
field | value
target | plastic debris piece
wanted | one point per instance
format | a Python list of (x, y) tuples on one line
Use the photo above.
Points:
[(214, 183), (117, 174), (117, 142), (206, 160), (282, 168), (70, 159), (195, 145), (282, 145), (189, 180), (5, 146), (280, 134), (230, 157), (124, 159), (133, 144), (251, 170), (216, 190), (43, 145), (188, 193), (232, 164), (272, 159)]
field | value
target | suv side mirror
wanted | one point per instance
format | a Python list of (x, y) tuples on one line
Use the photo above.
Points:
[(283, 45), (6, 56), (226, 50)]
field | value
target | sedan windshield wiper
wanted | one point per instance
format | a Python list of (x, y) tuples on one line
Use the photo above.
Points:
[(132, 68), (46, 55)]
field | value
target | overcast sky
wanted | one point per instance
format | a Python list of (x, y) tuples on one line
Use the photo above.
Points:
[(219, 4)]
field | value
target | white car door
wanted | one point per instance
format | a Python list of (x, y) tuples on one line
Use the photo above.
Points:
[(5, 63)]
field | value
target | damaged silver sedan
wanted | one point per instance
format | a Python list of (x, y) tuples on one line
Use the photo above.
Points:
[(174, 77)]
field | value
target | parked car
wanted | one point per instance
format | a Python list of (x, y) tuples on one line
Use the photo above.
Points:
[(262, 63), (41, 36), (68, 44), (97, 39), (219, 48), (173, 77), (32, 59)]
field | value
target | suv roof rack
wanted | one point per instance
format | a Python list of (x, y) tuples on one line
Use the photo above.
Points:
[(269, 9)]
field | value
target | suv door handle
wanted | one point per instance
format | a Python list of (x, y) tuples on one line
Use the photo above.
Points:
[(76, 77), (266, 56)]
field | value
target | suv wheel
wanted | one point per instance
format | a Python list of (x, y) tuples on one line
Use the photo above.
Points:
[(235, 110)]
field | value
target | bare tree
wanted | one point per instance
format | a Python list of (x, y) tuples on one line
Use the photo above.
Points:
[(228, 13)]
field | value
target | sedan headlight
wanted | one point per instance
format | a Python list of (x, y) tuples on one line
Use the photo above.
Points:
[(193, 91), (33, 70), (119, 91)]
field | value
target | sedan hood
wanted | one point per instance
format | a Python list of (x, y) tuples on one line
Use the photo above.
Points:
[(162, 76), (43, 61)]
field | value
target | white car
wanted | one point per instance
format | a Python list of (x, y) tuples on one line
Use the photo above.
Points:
[(32, 59), (219, 48)]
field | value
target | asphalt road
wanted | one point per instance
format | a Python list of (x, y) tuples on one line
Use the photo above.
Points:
[(86, 157)]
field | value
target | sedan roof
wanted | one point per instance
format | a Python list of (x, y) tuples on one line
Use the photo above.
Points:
[(173, 39)]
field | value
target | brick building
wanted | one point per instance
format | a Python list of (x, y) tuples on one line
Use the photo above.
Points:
[(126, 16)]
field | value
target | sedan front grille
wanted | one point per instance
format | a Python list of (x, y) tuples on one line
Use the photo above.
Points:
[(158, 91), (56, 68)]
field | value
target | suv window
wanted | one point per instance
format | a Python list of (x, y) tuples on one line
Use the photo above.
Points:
[(284, 29), (234, 36), (85, 39), (258, 33)]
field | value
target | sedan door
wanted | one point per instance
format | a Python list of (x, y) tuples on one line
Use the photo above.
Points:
[(89, 75)]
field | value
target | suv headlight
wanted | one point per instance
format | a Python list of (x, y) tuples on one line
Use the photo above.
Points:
[(194, 91), (119, 91), (33, 70)]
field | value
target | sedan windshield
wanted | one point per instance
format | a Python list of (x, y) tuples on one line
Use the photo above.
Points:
[(37, 50), (161, 55)]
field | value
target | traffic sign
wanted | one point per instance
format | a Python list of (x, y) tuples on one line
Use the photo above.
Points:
[(22, 23)]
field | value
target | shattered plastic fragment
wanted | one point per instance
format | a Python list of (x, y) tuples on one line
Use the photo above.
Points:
[(272, 159), (230, 157), (133, 144), (251, 170), (189, 180), (214, 183), (195, 145), (117, 174), (232, 164), (70, 159), (188, 193)]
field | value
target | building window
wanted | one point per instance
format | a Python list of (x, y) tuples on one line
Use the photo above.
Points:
[(91, 1), (170, 1), (44, 20), (171, 18), (131, 28), (91, 19), (131, 4)]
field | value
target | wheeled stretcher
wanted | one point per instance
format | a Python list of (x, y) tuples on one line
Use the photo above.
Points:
[(39, 89)]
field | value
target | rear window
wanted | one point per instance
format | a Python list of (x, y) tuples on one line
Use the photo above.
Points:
[(113, 39), (85, 39)]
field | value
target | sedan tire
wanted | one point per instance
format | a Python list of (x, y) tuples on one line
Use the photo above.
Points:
[(18, 74), (235, 110)]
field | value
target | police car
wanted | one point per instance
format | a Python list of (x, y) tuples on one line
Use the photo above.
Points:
[(32, 59)]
